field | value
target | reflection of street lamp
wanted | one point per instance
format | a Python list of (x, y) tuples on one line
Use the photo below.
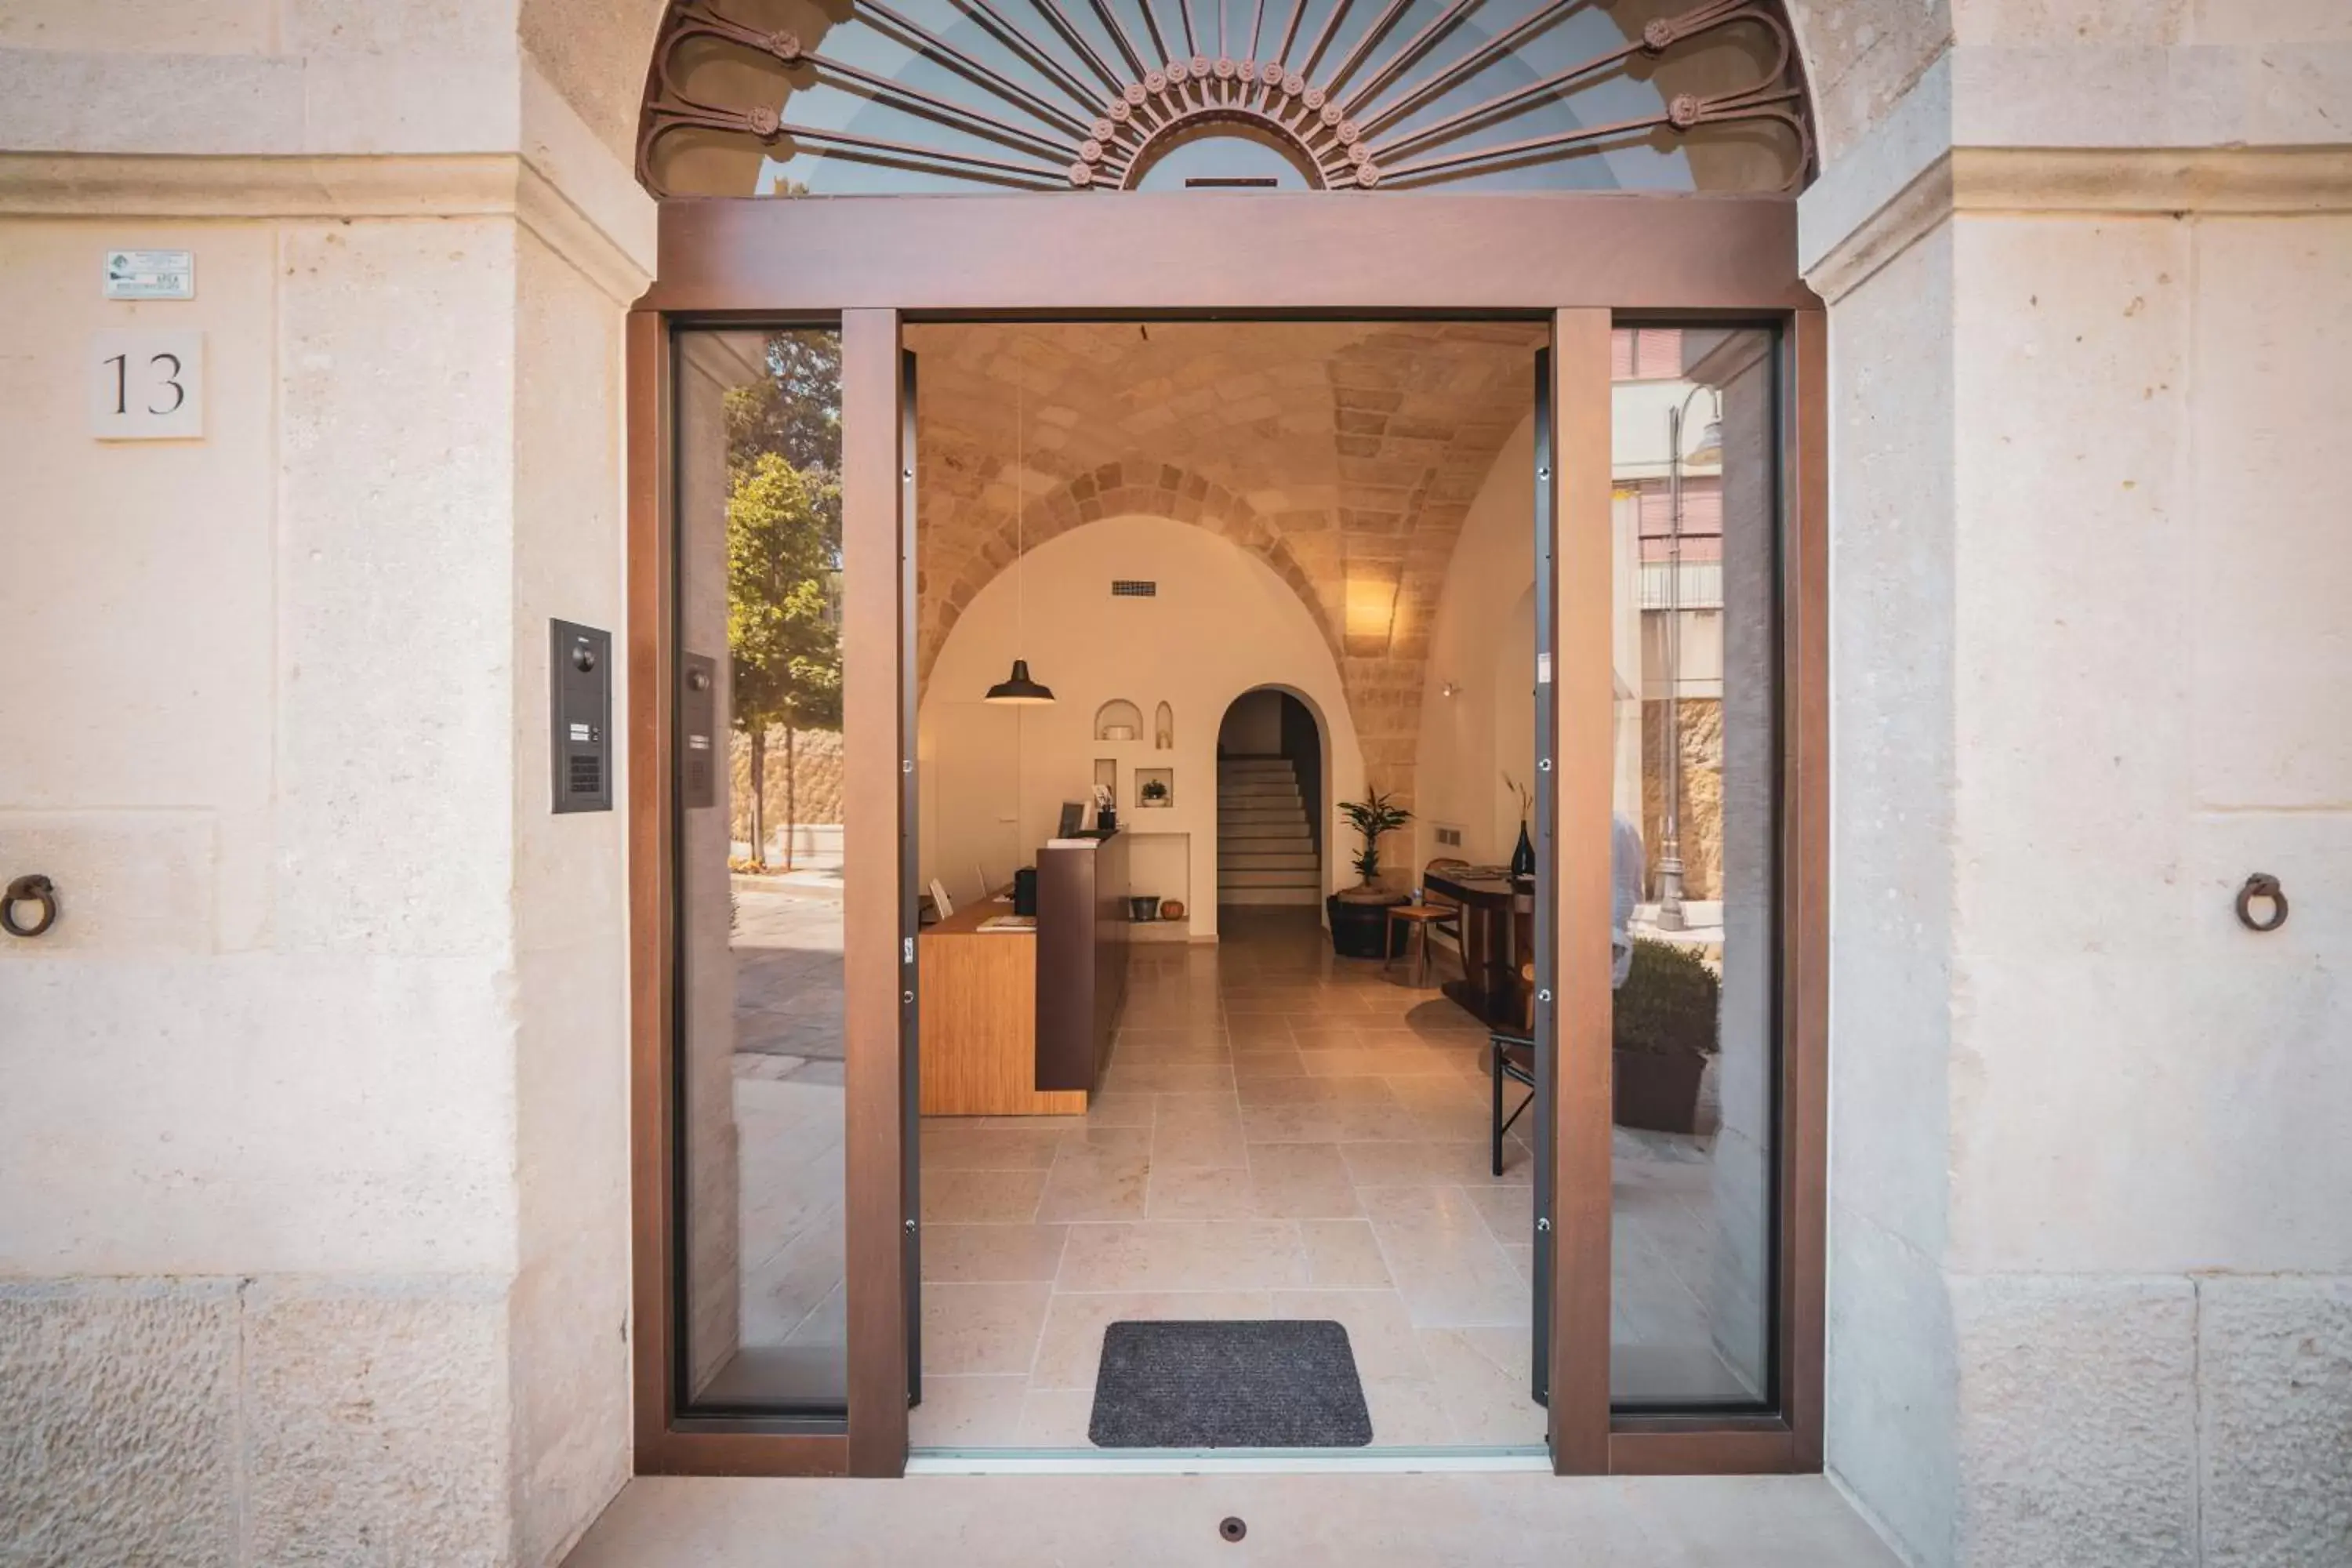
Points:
[(1670, 840)]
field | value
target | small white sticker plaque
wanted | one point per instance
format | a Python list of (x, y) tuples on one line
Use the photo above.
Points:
[(150, 274), (147, 385)]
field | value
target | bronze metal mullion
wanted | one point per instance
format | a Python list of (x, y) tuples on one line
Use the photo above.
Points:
[(1803, 1124), (1583, 691), (874, 1203)]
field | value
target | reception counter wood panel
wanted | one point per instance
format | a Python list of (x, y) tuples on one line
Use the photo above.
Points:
[(1018, 1022), (979, 1031)]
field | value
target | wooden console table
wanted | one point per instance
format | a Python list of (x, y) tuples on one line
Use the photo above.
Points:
[(1497, 939)]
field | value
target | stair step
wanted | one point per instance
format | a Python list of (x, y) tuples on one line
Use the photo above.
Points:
[(1278, 860), (1241, 876), (1269, 896)]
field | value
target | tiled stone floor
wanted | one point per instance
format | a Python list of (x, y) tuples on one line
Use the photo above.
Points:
[(1279, 1133)]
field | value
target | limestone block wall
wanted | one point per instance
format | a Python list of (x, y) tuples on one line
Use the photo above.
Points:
[(2089, 312), (312, 1158)]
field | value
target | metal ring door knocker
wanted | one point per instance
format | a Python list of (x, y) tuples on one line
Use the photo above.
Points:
[(2261, 885), (32, 889)]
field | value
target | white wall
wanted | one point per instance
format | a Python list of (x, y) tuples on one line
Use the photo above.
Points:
[(313, 1150), (1482, 644), (993, 779)]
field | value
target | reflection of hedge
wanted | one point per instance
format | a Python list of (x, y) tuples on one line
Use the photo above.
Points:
[(1668, 1002)]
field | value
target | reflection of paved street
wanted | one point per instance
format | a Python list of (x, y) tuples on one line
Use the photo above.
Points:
[(787, 973), (788, 1114)]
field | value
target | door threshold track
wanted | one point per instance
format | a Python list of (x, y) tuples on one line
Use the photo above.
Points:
[(1218, 1462)]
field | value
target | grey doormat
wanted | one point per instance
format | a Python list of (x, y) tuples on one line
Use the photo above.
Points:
[(1287, 1383)]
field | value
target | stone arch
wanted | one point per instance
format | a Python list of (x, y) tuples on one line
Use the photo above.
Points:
[(1136, 486)]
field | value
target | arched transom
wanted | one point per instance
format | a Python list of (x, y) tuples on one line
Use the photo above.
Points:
[(793, 97)]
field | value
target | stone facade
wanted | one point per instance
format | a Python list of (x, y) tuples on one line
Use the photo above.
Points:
[(313, 1160), (2087, 272), (313, 1239)]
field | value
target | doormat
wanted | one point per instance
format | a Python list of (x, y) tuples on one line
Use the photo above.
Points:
[(1287, 1383)]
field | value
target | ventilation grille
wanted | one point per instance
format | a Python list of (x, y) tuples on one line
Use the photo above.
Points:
[(587, 775), (1133, 588)]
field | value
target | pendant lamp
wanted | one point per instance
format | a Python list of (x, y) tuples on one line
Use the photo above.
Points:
[(1017, 689)]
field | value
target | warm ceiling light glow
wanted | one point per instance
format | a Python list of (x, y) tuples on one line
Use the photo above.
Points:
[(1371, 613)]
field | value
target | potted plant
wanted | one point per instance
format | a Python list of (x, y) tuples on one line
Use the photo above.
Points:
[(1663, 1028), (1360, 915)]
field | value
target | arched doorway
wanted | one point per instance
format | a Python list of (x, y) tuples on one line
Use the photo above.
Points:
[(1274, 802), (1378, 232)]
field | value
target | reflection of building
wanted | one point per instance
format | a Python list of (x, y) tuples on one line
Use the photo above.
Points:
[(1672, 567)]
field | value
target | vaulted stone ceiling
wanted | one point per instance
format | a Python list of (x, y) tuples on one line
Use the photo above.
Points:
[(1344, 455)]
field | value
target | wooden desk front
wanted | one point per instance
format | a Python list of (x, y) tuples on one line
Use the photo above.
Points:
[(978, 1037)]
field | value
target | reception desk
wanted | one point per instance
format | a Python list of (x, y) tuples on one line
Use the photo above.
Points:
[(1019, 1023)]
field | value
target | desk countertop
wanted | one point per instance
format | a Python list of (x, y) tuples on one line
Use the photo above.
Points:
[(966, 922)]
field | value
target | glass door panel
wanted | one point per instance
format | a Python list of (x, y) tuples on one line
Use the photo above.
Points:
[(758, 842), (1696, 651)]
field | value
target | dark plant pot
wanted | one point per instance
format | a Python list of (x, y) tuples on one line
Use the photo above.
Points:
[(1656, 1090), (1358, 928)]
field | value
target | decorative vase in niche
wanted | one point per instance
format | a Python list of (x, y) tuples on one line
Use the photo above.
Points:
[(1523, 857)]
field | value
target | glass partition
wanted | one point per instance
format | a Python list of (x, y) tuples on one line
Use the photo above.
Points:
[(759, 853), (1695, 510)]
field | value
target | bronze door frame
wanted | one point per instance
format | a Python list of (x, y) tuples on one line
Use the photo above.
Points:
[(1578, 259)]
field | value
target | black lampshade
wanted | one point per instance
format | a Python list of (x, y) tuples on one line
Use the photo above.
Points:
[(1020, 689)]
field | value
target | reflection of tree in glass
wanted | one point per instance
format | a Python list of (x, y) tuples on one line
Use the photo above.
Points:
[(795, 413), (783, 560)]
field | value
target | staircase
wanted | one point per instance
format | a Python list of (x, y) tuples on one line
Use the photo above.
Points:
[(1265, 847)]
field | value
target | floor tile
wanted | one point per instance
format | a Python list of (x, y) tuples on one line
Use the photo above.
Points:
[(988, 1148), (1419, 1164), (1380, 1333), (981, 1327), (1300, 1181), (1069, 1351), (1482, 1376), (1447, 1265), (984, 1198), (1096, 1181), (1183, 1255), (1344, 1255), (960, 1412), (1200, 1191), (992, 1252)]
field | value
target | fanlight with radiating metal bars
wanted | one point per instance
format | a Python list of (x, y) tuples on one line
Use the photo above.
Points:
[(912, 95)]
